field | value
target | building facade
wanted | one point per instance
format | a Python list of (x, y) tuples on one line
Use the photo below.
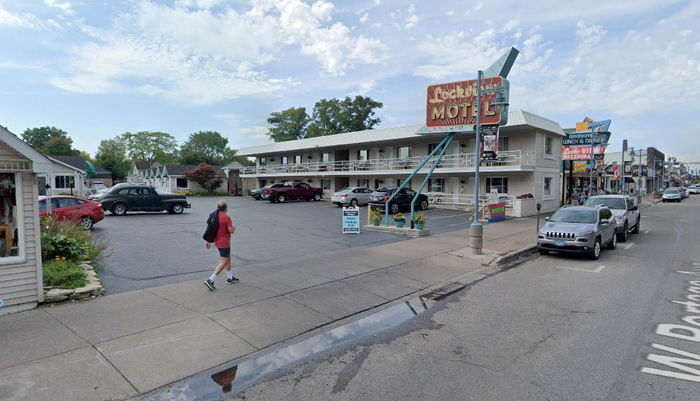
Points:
[(171, 178), (525, 172), (643, 171)]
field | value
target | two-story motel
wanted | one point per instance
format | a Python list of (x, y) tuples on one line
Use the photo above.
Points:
[(526, 171)]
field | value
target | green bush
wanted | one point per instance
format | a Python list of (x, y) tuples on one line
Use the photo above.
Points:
[(207, 193), (68, 240), (63, 274)]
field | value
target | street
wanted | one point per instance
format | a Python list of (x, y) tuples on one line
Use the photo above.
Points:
[(151, 249), (555, 328)]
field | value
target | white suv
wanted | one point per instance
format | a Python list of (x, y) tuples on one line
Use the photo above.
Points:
[(627, 215)]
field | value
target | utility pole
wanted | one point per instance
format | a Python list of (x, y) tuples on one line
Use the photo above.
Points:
[(476, 229), (624, 184)]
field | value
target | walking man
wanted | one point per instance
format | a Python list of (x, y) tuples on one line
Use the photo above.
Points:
[(223, 244)]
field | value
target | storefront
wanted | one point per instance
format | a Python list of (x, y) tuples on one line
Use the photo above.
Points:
[(20, 248)]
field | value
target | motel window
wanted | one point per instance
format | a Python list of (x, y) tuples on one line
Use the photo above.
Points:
[(9, 241), (263, 161), (403, 152), (64, 181), (432, 146), (325, 158), (297, 159), (363, 154), (436, 185), (285, 160), (548, 147), (262, 183), (503, 144), (399, 181), (498, 184), (363, 182), (182, 183), (326, 184), (547, 186)]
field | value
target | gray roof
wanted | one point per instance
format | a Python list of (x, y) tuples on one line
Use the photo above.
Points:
[(181, 169), (516, 119), (80, 163)]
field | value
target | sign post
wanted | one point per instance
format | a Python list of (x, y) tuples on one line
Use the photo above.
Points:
[(351, 220)]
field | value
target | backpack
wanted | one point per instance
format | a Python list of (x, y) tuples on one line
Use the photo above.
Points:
[(212, 227)]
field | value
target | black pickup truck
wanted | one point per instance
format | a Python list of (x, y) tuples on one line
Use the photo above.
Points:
[(127, 197)]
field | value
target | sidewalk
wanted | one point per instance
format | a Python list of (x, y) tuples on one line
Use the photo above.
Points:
[(120, 345)]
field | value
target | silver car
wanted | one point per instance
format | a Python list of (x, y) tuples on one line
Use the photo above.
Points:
[(672, 195), (351, 196), (578, 229), (627, 216)]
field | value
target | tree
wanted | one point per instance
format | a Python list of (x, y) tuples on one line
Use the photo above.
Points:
[(205, 147), (111, 154), (288, 125), (38, 137), (325, 119), (150, 147), (59, 146), (205, 176), (359, 114)]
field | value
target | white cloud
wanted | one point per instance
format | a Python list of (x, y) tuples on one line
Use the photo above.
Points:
[(25, 20), (64, 6), (255, 132), (366, 87), (364, 17)]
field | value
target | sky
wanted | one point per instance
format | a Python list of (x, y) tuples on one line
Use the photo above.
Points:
[(98, 69)]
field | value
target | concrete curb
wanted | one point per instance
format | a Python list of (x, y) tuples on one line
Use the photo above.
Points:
[(515, 255)]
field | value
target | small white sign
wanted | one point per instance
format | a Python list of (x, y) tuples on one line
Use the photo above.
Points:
[(351, 220)]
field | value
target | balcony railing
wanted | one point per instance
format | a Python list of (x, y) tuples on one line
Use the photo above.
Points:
[(464, 160)]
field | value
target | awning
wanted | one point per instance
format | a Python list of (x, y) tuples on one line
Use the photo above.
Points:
[(90, 169)]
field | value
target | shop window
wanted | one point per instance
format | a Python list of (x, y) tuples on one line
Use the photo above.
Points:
[(403, 152), (363, 182), (64, 181), (363, 154), (548, 145), (8, 216), (326, 183), (182, 183), (498, 184), (547, 186), (436, 185), (432, 146)]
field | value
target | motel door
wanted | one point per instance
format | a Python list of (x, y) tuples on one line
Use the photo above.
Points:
[(41, 183)]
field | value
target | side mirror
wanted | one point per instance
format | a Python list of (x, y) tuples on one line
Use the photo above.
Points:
[(546, 219)]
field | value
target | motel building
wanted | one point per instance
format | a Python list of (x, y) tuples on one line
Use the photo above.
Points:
[(525, 172)]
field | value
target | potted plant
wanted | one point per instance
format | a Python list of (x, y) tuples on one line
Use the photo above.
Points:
[(419, 221), (376, 216), (399, 220)]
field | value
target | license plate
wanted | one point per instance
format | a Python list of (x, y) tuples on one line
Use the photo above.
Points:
[(559, 242)]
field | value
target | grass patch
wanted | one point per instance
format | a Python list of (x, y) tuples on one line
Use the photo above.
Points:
[(63, 274), (68, 240)]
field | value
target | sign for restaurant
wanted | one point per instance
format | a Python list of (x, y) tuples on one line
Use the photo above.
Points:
[(454, 104), (581, 153), (585, 139)]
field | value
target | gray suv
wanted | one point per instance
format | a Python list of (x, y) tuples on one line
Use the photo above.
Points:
[(578, 229), (626, 213)]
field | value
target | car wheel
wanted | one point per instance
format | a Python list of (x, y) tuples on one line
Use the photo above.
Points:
[(177, 209), (622, 237), (119, 209), (281, 199), (86, 222), (317, 197), (613, 242), (595, 252), (636, 226), (423, 205), (353, 203), (394, 208), (543, 251)]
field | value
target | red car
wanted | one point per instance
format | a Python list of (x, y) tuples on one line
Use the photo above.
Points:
[(71, 208)]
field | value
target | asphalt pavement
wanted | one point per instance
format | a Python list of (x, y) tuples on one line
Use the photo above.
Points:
[(624, 327), (152, 249)]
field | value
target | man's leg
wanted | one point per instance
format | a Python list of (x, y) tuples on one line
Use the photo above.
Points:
[(229, 274), (210, 282)]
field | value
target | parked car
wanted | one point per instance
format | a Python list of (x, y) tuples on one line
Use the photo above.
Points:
[(97, 185), (352, 196), (578, 229), (402, 201), (684, 193), (97, 195), (627, 216), (257, 193), (694, 189), (71, 208), (293, 190), (672, 195), (134, 197)]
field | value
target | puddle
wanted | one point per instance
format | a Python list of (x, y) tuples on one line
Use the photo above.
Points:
[(219, 382)]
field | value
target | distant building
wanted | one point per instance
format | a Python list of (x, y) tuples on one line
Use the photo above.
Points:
[(171, 177)]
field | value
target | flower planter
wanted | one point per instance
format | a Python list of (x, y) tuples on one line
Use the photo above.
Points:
[(418, 225), (399, 223), (376, 222)]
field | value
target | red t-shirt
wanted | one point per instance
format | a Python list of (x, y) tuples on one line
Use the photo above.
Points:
[(223, 236)]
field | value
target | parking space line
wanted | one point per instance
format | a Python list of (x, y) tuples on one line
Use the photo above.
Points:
[(596, 270), (449, 217), (628, 246)]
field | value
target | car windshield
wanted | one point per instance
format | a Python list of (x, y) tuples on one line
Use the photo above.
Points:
[(612, 203), (671, 191), (346, 189), (574, 216)]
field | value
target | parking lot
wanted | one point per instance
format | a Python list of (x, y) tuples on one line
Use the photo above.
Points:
[(152, 249)]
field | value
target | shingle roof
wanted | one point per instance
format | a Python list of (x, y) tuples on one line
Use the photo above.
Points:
[(80, 163)]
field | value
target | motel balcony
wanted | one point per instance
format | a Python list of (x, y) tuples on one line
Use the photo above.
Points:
[(514, 160)]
